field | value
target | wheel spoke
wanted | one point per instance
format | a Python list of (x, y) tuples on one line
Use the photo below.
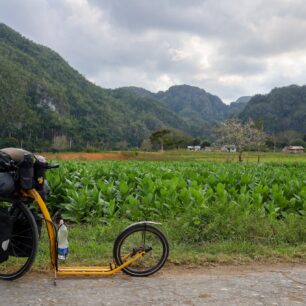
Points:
[(23, 242)]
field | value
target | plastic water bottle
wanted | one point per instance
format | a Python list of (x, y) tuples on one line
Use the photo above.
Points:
[(62, 241)]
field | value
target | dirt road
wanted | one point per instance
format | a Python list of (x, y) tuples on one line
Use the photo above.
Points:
[(282, 284)]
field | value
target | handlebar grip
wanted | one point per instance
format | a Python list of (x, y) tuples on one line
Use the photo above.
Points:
[(52, 166)]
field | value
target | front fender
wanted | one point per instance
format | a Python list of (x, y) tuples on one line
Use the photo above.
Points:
[(143, 223)]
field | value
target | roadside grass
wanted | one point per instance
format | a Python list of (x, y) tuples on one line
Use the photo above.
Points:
[(236, 252), (93, 244)]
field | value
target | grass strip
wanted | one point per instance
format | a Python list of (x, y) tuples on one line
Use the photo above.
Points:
[(93, 244)]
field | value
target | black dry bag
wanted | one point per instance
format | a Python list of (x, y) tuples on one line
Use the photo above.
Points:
[(5, 233), (7, 184), (26, 172)]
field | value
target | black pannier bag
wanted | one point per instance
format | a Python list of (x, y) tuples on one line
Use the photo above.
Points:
[(22, 240), (31, 170), (5, 234), (21, 160), (7, 184)]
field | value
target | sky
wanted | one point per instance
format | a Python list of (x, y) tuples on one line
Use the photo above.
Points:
[(230, 48)]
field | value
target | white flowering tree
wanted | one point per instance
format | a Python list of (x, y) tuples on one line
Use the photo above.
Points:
[(246, 136)]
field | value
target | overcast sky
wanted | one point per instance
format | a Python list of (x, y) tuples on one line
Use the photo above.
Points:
[(230, 48)]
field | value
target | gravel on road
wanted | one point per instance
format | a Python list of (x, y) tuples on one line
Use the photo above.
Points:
[(280, 284)]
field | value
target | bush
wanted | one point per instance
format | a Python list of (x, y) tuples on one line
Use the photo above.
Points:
[(298, 142)]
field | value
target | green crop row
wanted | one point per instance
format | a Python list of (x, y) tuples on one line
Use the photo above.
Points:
[(102, 191)]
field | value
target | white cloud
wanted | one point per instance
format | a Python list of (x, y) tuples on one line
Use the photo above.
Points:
[(230, 48)]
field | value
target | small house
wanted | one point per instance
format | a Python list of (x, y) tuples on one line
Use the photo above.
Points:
[(208, 149), (194, 148), (229, 148), (294, 149)]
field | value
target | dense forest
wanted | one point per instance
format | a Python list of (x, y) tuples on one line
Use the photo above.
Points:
[(281, 110), (45, 104)]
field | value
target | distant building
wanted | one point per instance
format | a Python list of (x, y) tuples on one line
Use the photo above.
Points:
[(229, 148), (194, 148), (209, 149), (294, 149)]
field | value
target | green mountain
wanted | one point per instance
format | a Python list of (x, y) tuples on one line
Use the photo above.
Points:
[(243, 100), (139, 91), (283, 109), (200, 109), (45, 103), (193, 103), (238, 106)]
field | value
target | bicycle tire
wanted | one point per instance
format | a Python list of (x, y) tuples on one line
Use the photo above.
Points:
[(17, 266), (142, 266)]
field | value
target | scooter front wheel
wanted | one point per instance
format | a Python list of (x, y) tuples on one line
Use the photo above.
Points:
[(146, 239)]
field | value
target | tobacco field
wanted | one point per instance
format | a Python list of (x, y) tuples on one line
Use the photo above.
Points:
[(213, 199)]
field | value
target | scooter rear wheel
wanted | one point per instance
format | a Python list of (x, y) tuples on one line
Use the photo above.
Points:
[(22, 243)]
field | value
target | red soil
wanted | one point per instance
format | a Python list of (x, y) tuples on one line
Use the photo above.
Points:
[(86, 156)]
